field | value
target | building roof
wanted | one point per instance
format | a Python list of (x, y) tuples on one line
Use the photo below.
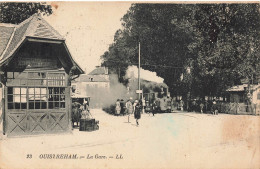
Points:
[(12, 36), (74, 95), (6, 32), (93, 78), (241, 88), (99, 71)]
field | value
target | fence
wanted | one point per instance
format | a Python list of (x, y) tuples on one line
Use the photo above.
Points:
[(238, 108)]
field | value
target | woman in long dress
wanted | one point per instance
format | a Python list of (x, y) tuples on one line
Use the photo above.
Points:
[(118, 107), (129, 109), (137, 113)]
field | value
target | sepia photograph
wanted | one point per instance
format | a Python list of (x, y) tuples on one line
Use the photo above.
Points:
[(130, 84)]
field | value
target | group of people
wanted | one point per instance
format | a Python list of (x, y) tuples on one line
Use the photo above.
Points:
[(203, 106), (80, 111), (129, 108)]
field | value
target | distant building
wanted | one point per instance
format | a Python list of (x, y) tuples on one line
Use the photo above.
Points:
[(95, 84), (240, 94)]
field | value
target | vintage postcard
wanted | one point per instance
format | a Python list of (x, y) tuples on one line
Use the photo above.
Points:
[(129, 85)]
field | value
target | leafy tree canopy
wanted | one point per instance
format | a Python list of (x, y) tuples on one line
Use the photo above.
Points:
[(218, 42), (15, 13)]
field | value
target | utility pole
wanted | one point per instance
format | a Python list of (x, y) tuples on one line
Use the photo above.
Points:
[(139, 58)]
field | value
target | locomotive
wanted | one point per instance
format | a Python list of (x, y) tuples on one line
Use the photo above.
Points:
[(161, 101)]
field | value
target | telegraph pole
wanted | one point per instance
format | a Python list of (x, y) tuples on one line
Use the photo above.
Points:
[(139, 58)]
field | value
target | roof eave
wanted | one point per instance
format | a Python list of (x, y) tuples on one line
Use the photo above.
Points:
[(74, 63), (37, 39)]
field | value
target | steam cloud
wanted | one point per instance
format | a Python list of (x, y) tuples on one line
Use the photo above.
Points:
[(149, 82)]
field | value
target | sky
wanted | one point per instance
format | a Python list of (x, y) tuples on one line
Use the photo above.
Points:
[(88, 28)]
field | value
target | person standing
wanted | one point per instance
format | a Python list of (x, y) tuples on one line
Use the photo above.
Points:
[(201, 107), (122, 107), (118, 107), (143, 105), (154, 107), (193, 105), (129, 108), (181, 104), (137, 112), (214, 108)]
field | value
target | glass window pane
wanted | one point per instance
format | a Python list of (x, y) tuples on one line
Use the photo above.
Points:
[(31, 97), (62, 97), (43, 98), (51, 98), (50, 90), (37, 97), (56, 105), (56, 98), (37, 91), (23, 99), (43, 105), (17, 105), (10, 106), (17, 98), (10, 90), (62, 105), (37, 105), (31, 91), (43, 91), (10, 98), (23, 105), (23, 90), (31, 105), (16, 90), (56, 90), (50, 105), (62, 90)]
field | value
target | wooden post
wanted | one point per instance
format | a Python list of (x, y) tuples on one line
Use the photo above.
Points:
[(4, 106), (139, 58)]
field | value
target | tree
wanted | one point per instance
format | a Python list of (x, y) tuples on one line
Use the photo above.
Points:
[(227, 45), (155, 26), (218, 42), (15, 13)]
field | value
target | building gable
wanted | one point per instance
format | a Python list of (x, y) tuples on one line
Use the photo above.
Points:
[(35, 29)]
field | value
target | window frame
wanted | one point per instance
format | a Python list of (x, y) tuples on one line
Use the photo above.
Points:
[(57, 82), (49, 80)]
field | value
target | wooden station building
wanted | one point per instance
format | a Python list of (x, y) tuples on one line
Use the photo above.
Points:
[(36, 69)]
